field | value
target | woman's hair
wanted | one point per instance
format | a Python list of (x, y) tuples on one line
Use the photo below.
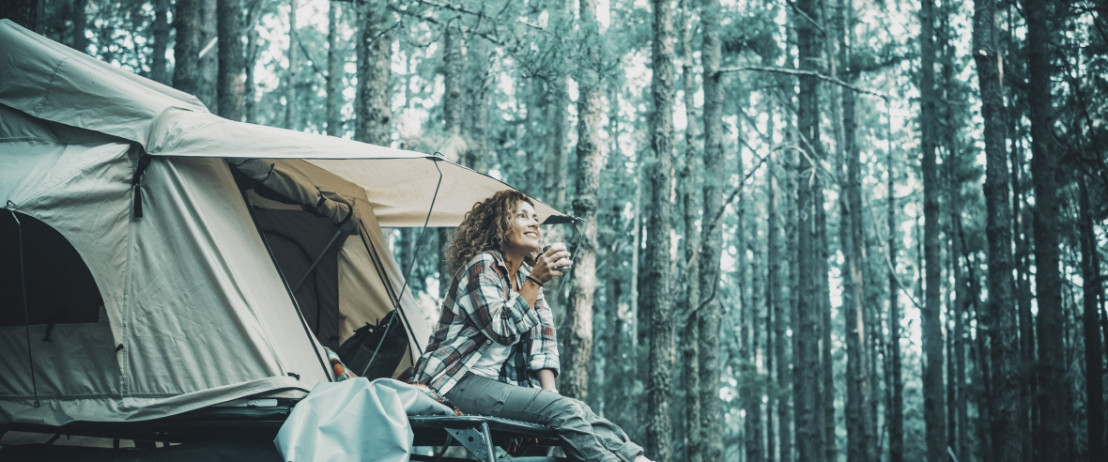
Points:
[(484, 228)]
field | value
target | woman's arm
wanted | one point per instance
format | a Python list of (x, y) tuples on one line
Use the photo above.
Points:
[(489, 305), (543, 348), (546, 380)]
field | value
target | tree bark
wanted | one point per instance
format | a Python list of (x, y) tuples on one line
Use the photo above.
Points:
[(80, 25), (186, 51), (1053, 437), (777, 297), (557, 118), (250, 107), (1094, 380), (958, 296), (209, 55), (158, 64), (453, 116), (711, 313), (334, 72), (478, 94), (292, 80), (860, 432), (895, 407), (590, 157), (453, 101), (688, 190), (230, 82), (372, 102), (809, 409), (660, 174), (750, 379), (930, 319)]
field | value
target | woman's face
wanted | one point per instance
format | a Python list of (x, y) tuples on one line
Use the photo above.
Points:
[(524, 236)]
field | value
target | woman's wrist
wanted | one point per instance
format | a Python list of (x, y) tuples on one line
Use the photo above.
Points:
[(532, 279)]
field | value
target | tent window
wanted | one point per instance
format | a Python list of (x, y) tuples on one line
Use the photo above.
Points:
[(298, 239), (58, 285)]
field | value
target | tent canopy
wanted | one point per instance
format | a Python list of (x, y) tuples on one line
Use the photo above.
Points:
[(53, 82)]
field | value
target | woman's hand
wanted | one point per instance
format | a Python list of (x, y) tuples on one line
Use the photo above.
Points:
[(551, 263)]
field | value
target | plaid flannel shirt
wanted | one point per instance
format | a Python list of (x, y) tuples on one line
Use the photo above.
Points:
[(480, 308)]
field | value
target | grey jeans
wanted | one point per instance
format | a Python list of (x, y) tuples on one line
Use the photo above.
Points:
[(585, 436)]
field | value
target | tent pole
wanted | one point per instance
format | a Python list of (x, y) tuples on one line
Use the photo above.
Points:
[(26, 309), (419, 243), (331, 243), (327, 371)]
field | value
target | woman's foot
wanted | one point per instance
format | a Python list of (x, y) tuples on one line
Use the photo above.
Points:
[(642, 458)]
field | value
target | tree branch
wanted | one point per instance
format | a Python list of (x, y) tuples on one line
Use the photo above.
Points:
[(826, 78)]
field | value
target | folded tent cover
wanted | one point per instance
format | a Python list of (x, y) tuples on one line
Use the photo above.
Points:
[(157, 259)]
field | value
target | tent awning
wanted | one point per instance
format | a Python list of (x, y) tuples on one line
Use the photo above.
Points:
[(56, 83)]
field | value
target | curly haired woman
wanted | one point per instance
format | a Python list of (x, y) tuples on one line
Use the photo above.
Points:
[(494, 351)]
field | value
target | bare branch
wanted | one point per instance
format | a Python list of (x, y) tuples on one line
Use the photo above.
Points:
[(826, 78)]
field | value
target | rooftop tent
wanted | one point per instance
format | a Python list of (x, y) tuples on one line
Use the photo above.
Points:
[(156, 259)]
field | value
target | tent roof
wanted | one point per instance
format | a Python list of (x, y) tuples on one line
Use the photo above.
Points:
[(50, 81)]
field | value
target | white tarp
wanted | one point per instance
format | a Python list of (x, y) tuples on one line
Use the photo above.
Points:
[(355, 420)]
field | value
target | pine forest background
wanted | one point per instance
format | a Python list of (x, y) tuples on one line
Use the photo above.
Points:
[(809, 230)]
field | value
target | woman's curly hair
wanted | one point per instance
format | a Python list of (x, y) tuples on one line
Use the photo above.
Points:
[(484, 228)]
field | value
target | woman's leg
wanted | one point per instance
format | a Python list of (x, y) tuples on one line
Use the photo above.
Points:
[(611, 435), (571, 420)]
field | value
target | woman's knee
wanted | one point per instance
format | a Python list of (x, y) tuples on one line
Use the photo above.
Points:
[(566, 410)]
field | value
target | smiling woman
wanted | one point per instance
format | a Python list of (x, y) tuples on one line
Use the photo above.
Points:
[(494, 351)]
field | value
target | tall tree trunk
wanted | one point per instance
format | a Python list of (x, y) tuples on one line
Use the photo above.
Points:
[(453, 73), (230, 82), (958, 296), (292, 80), (982, 376), (827, 366), (809, 409), (478, 94), (658, 297), (209, 55), (751, 380), (372, 104), (453, 116), (930, 319), (711, 313), (895, 407), (1094, 355), (1021, 234), (557, 117), (252, 37), (80, 25), (1053, 436), (158, 69), (860, 433), (688, 191), (335, 73), (186, 51), (777, 297), (590, 157)]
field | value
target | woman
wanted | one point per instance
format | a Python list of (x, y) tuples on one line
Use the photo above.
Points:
[(494, 351)]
